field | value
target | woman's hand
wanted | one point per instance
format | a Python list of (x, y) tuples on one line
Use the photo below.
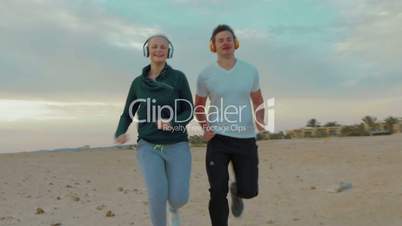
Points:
[(121, 139), (164, 125)]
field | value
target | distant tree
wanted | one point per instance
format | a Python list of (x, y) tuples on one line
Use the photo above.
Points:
[(287, 136), (263, 135), (332, 124), (354, 130), (259, 136), (313, 123), (197, 140), (370, 121), (321, 132), (274, 136), (390, 122)]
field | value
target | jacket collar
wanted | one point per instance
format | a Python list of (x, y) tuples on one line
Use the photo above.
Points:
[(156, 84), (165, 70)]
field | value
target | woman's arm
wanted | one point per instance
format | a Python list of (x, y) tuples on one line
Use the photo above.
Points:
[(125, 118)]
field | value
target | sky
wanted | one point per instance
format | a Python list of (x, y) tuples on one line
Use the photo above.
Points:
[(66, 65)]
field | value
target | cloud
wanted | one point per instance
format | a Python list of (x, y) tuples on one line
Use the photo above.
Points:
[(62, 47), (343, 110), (75, 20), (79, 50), (373, 35), (247, 33), (45, 111)]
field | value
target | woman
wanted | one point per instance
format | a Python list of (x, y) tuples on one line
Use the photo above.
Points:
[(162, 100)]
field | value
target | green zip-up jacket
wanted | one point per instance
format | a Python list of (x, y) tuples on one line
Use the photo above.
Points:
[(147, 98)]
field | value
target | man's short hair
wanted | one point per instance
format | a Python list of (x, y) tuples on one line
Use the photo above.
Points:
[(220, 28)]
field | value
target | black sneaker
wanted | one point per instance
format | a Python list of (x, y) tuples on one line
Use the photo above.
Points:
[(237, 203)]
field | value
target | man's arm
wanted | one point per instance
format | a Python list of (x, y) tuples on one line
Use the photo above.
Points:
[(201, 117), (200, 111), (257, 100)]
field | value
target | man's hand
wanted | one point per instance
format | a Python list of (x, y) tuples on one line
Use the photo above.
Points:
[(260, 127), (202, 118), (208, 135), (121, 139)]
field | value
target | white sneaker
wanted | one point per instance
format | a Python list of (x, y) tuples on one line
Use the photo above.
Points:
[(174, 217)]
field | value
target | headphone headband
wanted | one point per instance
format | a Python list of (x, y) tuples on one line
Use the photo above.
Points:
[(145, 49)]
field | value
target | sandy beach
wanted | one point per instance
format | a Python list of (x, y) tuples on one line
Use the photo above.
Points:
[(299, 185)]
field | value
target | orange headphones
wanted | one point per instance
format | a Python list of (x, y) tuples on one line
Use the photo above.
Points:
[(212, 46)]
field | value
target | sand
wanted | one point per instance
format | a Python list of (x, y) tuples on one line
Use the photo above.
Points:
[(298, 186)]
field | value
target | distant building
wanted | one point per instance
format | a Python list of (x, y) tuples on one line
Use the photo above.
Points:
[(296, 133), (380, 128), (398, 126), (315, 132)]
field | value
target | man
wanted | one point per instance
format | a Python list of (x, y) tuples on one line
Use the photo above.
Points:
[(229, 126)]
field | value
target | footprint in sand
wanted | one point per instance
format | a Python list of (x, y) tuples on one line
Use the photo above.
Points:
[(9, 220), (101, 207), (73, 196)]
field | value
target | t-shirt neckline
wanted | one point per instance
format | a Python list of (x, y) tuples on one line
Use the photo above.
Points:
[(225, 70)]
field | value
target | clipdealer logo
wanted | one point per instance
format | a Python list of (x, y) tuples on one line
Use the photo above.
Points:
[(215, 114)]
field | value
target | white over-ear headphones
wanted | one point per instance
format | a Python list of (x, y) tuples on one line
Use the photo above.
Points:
[(145, 47)]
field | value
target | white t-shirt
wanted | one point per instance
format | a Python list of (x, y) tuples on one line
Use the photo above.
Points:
[(230, 112)]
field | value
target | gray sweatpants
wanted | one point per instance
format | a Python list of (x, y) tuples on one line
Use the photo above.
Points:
[(166, 170)]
